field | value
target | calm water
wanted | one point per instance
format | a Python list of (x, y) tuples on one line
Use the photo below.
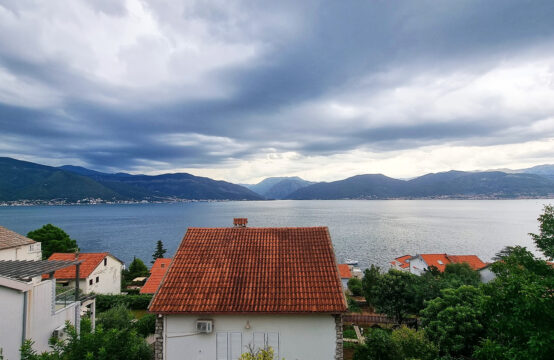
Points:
[(370, 231)]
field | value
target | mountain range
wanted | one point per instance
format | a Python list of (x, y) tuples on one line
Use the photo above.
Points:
[(22, 180)]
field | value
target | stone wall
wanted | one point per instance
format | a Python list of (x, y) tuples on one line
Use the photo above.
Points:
[(159, 342), (338, 329)]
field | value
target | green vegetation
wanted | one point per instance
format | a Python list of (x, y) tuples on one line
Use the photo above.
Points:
[(261, 354), (159, 252), (53, 239), (133, 302), (136, 269), (510, 317), (355, 286), (102, 344)]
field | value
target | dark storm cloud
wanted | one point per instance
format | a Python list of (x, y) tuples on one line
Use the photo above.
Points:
[(342, 51)]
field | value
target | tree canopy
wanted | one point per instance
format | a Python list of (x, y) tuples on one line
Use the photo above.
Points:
[(53, 239), (545, 239), (159, 252)]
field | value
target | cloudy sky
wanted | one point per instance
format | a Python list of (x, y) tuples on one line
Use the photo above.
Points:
[(242, 90)]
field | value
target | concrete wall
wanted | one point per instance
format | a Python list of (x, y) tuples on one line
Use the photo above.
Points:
[(24, 252), (11, 315), (417, 266), (42, 318), (299, 337)]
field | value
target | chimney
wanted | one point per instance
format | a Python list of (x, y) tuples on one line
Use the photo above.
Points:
[(240, 222)]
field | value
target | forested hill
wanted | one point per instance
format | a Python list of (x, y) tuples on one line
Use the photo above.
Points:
[(452, 184), (22, 180)]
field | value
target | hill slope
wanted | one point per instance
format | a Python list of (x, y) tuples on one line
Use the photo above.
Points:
[(278, 187)]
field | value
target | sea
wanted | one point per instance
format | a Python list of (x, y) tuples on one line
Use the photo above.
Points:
[(370, 231)]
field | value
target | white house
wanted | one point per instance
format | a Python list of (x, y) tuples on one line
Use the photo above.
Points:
[(100, 273), (29, 308), (231, 289), (420, 263), (14, 246), (345, 274)]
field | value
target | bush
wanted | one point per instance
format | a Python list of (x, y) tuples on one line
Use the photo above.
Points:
[(353, 305), (133, 302), (355, 286), (146, 325), (118, 317), (412, 344)]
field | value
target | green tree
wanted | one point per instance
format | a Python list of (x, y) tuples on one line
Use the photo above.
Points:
[(413, 344), (355, 286), (519, 309), (545, 240), (136, 269), (371, 279), (146, 325), (118, 317), (378, 346), (159, 252), (101, 344), (53, 239), (458, 274), (394, 294), (454, 321)]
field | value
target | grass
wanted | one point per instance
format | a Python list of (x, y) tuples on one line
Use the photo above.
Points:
[(139, 313)]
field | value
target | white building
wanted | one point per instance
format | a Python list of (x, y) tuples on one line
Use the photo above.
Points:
[(29, 308), (14, 246), (100, 273), (231, 289)]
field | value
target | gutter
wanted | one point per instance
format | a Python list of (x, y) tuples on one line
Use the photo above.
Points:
[(24, 327)]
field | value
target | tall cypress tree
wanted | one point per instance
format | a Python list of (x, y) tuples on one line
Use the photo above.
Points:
[(160, 251)]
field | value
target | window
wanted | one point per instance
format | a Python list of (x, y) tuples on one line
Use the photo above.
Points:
[(97, 278), (440, 262), (163, 265), (229, 345), (105, 261), (90, 282)]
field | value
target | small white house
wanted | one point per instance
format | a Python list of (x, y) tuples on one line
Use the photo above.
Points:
[(229, 290), (29, 308), (14, 246), (100, 273)]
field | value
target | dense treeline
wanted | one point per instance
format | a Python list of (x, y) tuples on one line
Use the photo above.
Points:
[(511, 317)]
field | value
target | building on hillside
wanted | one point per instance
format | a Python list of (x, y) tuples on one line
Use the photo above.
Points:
[(345, 274), (100, 272), (229, 289), (30, 307), (401, 263), (157, 272), (421, 262), (14, 246)]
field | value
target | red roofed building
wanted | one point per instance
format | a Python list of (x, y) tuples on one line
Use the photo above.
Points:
[(345, 274), (420, 263), (401, 263), (231, 288), (99, 273), (157, 272)]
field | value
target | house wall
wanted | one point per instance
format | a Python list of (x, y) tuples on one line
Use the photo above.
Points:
[(417, 266), (300, 337), (109, 278), (24, 252), (486, 275), (11, 315), (42, 320)]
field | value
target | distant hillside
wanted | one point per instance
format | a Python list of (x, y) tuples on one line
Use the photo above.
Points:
[(452, 184), (357, 187), (279, 187), (21, 180), (179, 185), (26, 180), (543, 170)]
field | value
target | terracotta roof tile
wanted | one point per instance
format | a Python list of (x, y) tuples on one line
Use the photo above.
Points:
[(344, 271), (89, 262), (245, 270), (437, 260), (156, 275), (472, 260), (9, 239), (402, 261)]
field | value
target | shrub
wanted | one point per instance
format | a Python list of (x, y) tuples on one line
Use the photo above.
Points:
[(133, 302), (146, 325)]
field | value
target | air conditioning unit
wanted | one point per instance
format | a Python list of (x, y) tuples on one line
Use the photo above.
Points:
[(59, 333), (204, 326)]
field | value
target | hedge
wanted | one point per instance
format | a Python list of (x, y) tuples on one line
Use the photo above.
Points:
[(132, 302)]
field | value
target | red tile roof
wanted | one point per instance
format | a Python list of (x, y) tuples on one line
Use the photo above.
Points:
[(472, 260), (240, 221), (156, 275), (89, 262), (246, 270), (402, 261), (344, 271), (433, 259)]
